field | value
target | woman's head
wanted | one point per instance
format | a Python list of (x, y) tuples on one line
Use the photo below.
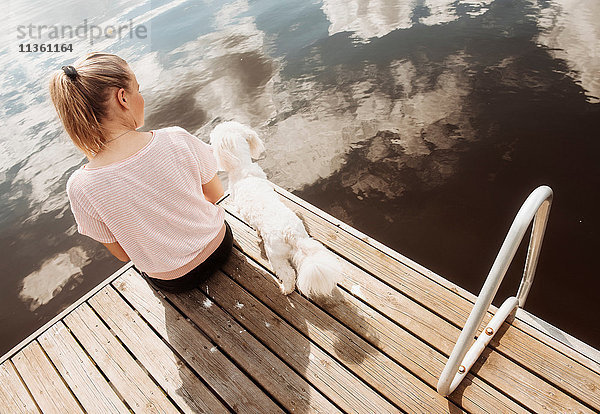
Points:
[(97, 94)]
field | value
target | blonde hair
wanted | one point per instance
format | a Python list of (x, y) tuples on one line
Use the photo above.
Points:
[(81, 98)]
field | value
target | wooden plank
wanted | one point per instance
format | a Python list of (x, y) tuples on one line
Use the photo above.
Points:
[(293, 392), (14, 396), (558, 339), (529, 324), (186, 389), (536, 356), (86, 382), (44, 383), (133, 384), (64, 313), (416, 355), (319, 368), (364, 360)]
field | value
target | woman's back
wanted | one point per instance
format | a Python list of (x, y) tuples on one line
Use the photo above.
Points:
[(152, 203)]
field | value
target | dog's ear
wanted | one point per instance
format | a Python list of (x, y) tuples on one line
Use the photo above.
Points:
[(256, 144), (222, 146)]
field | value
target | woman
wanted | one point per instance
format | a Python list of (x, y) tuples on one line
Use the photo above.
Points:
[(149, 197)]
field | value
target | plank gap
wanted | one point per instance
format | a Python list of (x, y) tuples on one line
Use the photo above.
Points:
[(556, 385)]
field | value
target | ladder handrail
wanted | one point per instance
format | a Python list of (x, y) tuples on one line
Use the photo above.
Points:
[(536, 208)]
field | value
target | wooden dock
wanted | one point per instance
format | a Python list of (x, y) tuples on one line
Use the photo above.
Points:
[(237, 345)]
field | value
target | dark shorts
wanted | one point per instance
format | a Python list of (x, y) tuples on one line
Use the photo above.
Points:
[(200, 273)]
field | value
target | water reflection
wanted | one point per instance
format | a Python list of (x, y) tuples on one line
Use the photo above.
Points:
[(224, 74), (313, 142), (367, 19), (40, 286), (570, 30)]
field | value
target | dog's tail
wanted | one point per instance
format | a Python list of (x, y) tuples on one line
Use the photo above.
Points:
[(318, 269)]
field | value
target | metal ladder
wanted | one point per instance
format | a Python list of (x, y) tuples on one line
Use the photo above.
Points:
[(464, 355)]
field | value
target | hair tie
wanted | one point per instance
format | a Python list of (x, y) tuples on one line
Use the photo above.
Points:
[(70, 72)]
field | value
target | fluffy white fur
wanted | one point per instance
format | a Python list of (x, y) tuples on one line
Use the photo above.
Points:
[(285, 239)]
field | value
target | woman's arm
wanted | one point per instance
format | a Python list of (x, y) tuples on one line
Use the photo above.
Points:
[(116, 249), (213, 190)]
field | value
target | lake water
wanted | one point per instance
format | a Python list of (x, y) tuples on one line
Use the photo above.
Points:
[(423, 123)]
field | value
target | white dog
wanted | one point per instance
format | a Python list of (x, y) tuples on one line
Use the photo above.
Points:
[(285, 238)]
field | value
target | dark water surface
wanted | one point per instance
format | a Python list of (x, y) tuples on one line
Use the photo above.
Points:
[(424, 124)]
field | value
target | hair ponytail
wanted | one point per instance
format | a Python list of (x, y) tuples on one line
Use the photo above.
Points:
[(80, 94)]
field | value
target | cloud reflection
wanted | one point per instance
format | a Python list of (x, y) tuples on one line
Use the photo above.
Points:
[(313, 143), (368, 19), (570, 30), (39, 287)]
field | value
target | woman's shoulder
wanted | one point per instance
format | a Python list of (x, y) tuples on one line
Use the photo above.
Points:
[(172, 130), (181, 135), (75, 182)]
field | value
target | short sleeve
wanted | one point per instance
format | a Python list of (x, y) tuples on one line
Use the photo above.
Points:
[(88, 222), (204, 155)]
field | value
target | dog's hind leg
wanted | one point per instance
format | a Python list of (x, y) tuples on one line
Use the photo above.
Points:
[(278, 253)]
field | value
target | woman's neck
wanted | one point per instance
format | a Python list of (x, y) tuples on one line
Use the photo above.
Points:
[(120, 148)]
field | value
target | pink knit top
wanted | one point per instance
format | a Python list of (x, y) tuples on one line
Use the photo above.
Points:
[(152, 204)]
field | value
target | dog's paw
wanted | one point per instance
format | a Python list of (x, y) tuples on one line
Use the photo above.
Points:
[(287, 287)]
